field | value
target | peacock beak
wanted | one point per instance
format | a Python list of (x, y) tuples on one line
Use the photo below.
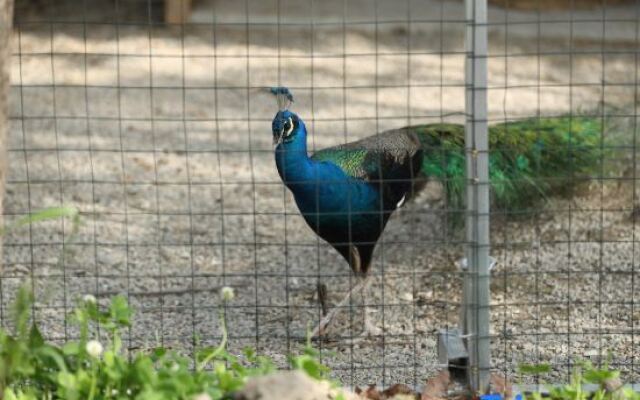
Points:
[(277, 137)]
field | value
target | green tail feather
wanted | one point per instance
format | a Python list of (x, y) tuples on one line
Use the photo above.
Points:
[(528, 159)]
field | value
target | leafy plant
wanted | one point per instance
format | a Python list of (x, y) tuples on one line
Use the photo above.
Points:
[(31, 368), (608, 385), (87, 368)]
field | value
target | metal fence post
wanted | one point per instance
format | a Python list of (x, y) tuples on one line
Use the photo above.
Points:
[(475, 316)]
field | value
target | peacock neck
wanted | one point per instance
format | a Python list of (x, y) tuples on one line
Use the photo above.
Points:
[(292, 160)]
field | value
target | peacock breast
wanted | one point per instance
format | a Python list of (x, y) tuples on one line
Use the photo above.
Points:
[(334, 205)]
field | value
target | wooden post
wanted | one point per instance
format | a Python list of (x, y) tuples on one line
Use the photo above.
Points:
[(177, 11), (6, 22)]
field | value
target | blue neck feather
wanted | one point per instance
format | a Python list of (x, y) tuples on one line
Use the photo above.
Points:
[(294, 165)]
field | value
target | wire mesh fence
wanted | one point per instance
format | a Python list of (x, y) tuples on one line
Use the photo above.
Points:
[(575, 284), (160, 134)]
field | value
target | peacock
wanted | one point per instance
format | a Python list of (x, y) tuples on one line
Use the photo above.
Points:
[(347, 193)]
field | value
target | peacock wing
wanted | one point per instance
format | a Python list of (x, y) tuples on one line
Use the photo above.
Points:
[(391, 159)]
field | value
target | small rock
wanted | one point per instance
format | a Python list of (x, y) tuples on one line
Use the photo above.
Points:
[(426, 295), (289, 385), (591, 353)]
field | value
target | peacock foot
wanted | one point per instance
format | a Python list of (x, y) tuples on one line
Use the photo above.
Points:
[(370, 330)]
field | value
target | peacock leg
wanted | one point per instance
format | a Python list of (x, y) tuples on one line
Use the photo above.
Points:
[(369, 328), (338, 308)]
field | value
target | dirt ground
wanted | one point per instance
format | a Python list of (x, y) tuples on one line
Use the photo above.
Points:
[(161, 137)]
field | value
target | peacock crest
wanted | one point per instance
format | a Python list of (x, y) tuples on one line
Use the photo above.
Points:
[(283, 96)]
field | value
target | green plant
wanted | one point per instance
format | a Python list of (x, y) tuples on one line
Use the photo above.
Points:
[(608, 385), (46, 214), (85, 368), (89, 367)]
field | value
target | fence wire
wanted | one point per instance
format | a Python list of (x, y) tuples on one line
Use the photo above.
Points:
[(160, 134)]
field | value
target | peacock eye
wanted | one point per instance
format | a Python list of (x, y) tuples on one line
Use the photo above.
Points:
[(288, 127)]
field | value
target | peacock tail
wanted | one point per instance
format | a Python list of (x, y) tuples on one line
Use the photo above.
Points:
[(528, 159)]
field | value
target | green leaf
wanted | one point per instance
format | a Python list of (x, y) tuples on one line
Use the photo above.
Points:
[(249, 353), (310, 365), (534, 369), (120, 311), (35, 337), (600, 376), (22, 311), (71, 349), (66, 379), (44, 215), (9, 394), (53, 354)]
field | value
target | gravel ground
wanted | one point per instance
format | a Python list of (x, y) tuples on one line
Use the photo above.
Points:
[(161, 137)]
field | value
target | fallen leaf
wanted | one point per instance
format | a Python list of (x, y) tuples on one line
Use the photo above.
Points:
[(398, 390), (436, 387), (500, 384), (371, 393)]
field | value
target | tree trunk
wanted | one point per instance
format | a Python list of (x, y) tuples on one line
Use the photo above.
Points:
[(6, 19)]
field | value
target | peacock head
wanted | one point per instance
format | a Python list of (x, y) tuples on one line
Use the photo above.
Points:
[(285, 127), (286, 124)]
